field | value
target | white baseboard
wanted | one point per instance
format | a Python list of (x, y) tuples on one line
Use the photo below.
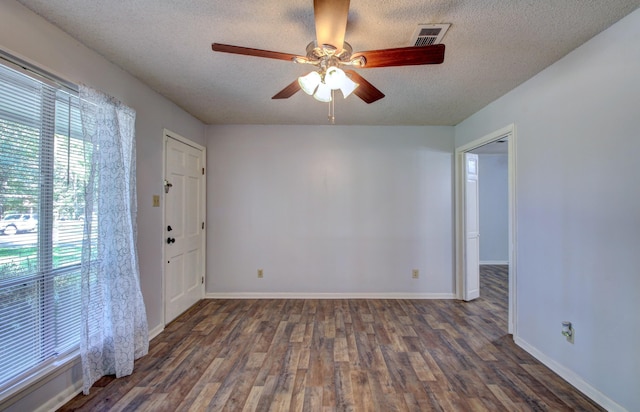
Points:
[(155, 331), (494, 262), (294, 295), (571, 377)]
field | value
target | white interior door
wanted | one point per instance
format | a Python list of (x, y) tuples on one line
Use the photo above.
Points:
[(472, 231), (184, 227)]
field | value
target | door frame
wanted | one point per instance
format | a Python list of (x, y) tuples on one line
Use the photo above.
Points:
[(167, 134), (460, 191)]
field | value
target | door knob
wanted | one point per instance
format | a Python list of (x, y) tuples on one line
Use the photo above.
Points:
[(171, 240)]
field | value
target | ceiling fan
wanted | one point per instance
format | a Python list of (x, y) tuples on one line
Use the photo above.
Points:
[(330, 54)]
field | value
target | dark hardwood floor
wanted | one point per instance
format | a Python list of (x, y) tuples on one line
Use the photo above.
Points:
[(339, 355)]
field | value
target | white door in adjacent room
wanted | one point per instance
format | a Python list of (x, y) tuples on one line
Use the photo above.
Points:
[(184, 232), (472, 226)]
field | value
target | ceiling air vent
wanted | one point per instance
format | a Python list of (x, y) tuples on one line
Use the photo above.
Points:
[(428, 34)]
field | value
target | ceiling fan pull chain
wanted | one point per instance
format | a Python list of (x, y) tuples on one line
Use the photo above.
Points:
[(332, 108)]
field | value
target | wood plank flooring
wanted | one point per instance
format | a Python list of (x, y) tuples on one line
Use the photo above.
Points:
[(339, 355)]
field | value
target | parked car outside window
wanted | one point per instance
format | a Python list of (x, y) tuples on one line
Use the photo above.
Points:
[(18, 222)]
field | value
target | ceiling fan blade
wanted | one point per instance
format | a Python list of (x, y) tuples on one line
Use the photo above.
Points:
[(403, 56), (331, 21), (288, 91), (226, 48), (366, 91)]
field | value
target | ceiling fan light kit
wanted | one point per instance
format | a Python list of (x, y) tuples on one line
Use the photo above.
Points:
[(329, 58), (319, 84)]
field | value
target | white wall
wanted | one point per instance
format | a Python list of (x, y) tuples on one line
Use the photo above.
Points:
[(578, 211), (494, 208), (27, 35), (329, 210)]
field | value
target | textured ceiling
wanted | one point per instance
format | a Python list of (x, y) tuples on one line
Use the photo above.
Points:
[(492, 47)]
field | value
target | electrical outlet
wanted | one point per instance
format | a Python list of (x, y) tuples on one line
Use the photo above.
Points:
[(568, 331), (260, 274), (415, 273), (156, 200)]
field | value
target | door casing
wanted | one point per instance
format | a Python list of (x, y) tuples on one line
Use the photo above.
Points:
[(460, 191)]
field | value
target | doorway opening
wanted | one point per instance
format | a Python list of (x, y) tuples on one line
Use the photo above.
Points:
[(467, 252)]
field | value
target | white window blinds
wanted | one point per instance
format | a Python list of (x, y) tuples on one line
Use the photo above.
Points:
[(42, 177)]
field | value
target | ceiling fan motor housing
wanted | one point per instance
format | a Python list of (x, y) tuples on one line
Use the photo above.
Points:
[(327, 56)]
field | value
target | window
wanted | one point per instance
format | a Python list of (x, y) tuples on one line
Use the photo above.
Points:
[(42, 176)]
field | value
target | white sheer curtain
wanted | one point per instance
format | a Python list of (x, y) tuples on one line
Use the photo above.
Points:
[(114, 321)]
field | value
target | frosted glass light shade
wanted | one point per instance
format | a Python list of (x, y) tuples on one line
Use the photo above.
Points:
[(309, 82), (334, 77), (348, 86), (323, 93)]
